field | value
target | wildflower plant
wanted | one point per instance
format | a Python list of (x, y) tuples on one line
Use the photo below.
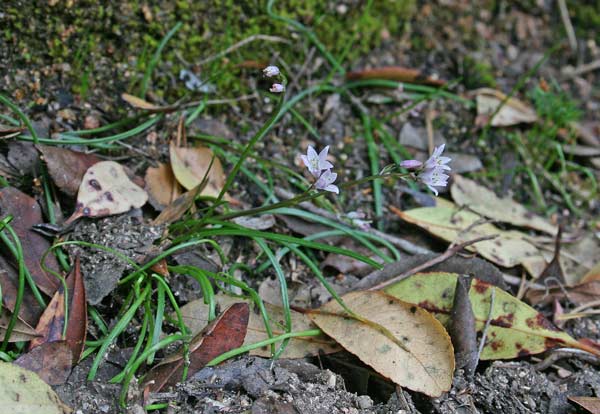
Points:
[(432, 172)]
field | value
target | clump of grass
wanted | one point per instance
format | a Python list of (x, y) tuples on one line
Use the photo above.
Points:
[(540, 149)]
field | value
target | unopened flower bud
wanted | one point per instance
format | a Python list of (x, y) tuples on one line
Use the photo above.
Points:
[(277, 88), (411, 164), (271, 71)]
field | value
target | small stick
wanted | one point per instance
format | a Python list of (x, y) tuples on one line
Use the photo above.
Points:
[(487, 323), (580, 70), (561, 353), (450, 251), (240, 44), (564, 15), (396, 241)]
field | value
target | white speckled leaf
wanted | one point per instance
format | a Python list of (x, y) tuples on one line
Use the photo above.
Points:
[(399, 340), (106, 190)]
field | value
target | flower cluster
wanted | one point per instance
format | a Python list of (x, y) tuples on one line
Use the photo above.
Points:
[(320, 168), (432, 173), (271, 72)]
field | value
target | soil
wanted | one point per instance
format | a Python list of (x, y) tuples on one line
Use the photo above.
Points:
[(491, 45)]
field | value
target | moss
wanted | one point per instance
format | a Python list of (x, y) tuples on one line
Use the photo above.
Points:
[(120, 31), (477, 73), (586, 18)]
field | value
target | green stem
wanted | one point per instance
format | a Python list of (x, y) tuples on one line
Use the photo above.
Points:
[(250, 347)]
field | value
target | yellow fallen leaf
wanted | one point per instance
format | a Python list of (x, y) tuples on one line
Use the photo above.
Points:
[(398, 340), (450, 223), (190, 166), (23, 392), (483, 201)]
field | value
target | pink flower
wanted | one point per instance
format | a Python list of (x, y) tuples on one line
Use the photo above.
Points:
[(436, 160), (316, 163), (433, 178), (271, 71), (411, 164), (277, 88), (325, 182)]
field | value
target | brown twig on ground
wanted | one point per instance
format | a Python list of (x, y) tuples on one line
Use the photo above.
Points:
[(564, 15), (581, 69), (560, 353), (396, 241), (450, 251)]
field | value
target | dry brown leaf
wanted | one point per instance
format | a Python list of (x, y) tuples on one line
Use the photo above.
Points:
[(483, 201), (26, 213), (400, 341), (106, 190), (21, 331), (52, 361), (513, 112), (190, 166), (590, 404), (177, 208), (396, 73), (195, 316), (67, 167), (161, 185), (223, 334)]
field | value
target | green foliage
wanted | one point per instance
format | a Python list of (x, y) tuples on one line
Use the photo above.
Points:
[(56, 34), (586, 18), (541, 151), (477, 73), (554, 105)]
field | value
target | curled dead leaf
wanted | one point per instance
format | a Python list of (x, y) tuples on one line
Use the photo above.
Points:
[(513, 112)]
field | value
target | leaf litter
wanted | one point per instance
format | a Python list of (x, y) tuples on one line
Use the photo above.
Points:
[(399, 340), (516, 329)]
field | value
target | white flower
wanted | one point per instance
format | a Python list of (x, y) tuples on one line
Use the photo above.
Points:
[(436, 160), (277, 88), (271, 71), (434, 178), (316, 163), (325, 182)]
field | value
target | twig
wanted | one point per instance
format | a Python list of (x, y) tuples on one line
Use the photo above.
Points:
[(240, 44), (220, 101), (564, 15), (450, 251), (561, 353), (405, 406), (396, 241), (585, 306), (487, 324), (580, 70)]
